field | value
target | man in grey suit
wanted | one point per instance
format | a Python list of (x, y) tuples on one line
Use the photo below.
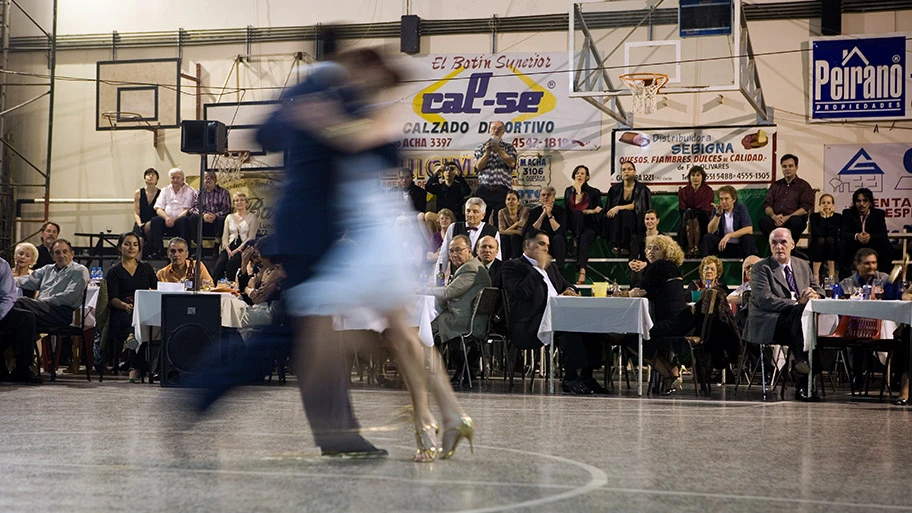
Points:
[(457, 299), (781, 285)]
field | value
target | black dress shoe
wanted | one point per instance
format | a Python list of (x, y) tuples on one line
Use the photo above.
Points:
[(901, 402), (353, 447), (576, 387), (596, 388), (802, 395), (25, 376)]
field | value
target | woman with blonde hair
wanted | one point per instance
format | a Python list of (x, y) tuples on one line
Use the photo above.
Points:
[(240, 228), (714, 321), (24, 257), (663, 285)]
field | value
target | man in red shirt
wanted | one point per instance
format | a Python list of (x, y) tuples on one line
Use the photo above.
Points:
[(788, 202)]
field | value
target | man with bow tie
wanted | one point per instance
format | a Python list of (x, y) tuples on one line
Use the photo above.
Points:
[(474, 228), (781, 285)]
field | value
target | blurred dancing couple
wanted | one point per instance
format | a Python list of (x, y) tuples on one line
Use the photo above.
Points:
[(338, 142)]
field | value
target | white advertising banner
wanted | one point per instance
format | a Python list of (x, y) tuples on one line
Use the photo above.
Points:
[(729, 155), (456, 97), (886, 169)]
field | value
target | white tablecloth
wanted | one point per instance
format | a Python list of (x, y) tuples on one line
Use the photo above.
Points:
[(147, 309), (898, 312), (420, 313), (595, 315)]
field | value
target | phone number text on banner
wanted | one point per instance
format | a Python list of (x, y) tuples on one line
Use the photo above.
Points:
[(456, 98), (663, 156)]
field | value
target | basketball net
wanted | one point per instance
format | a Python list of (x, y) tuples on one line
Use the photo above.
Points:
[(229, 166), (643, 89)]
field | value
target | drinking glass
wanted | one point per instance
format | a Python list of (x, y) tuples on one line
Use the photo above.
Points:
[(878, 286), (828, 283)]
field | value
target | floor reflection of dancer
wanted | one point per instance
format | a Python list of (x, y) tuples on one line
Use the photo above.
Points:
[(367, 273)]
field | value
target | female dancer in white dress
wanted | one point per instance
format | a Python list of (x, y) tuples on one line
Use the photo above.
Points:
[(367, 271)]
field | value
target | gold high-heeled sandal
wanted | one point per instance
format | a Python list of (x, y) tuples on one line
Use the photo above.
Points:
[(464, 429), (426, 438)]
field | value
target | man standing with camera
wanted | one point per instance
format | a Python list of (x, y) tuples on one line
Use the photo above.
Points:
[(494, 164)]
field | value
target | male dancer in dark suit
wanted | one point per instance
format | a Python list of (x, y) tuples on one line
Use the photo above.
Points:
[(529, 280), (781, 285)]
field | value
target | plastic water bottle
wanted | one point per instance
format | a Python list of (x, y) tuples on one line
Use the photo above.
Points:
[(837, 291)]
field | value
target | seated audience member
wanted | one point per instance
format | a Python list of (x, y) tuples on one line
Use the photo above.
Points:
[(529, 281), (263, 290), (172, 210), (144, 200), (663, 285), (865, 273), (22, 349), (456, 301), (49, 233), (216, 207), (450, 188), (901, 357), (637, 261), (123, 280), (240, 228), (788, 201), (736, 298), (825, 244), (487, 254), (628, 201), (723, 334), (511, 222), (695, 206), (412, 194), (182, 266), (730, 231), (781, 285), (434, 230), (250, 267), (61, 290), (473, 227), (584, 204), (24, 258), (552, 220), (864, 226)]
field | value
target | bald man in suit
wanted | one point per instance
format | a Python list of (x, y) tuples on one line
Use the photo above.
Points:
[(781, 286)]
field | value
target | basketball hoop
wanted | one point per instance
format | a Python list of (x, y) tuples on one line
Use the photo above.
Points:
[(643, 88), (229, 165)]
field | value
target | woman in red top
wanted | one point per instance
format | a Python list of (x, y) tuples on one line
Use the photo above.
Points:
[(695, 205)]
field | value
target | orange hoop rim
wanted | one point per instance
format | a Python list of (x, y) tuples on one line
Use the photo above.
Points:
[(640, 79)]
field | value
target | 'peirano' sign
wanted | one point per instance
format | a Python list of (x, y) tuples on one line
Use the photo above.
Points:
[(860, 78)]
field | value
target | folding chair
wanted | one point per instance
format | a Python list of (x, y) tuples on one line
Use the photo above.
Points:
[(485, 306), (51, 343), (862, 334)]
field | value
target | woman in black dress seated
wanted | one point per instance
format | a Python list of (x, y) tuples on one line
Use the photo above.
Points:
[(584, 203), (123, 280), (628, 201), (663, 285), (144, 204), (825, 244), (714, 319)]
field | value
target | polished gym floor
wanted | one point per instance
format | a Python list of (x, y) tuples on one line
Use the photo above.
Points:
[(79, 447)]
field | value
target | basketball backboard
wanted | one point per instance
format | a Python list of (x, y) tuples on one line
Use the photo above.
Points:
[(137, 94), (701, 45)]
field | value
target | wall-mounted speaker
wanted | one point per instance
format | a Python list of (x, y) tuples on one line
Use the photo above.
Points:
[(202, 136), (190, 336), (410, 34)]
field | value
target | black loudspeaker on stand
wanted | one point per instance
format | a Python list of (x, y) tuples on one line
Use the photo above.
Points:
[(202, 136), (190, 328)]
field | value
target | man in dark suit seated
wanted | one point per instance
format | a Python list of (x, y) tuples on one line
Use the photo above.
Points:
[(487, 251), (529, 280), (864, 226), (781, 285), (456, 301)]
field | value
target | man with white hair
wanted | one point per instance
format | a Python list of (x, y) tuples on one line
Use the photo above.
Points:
[(171, 209), (474, 228), (781, 285)]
